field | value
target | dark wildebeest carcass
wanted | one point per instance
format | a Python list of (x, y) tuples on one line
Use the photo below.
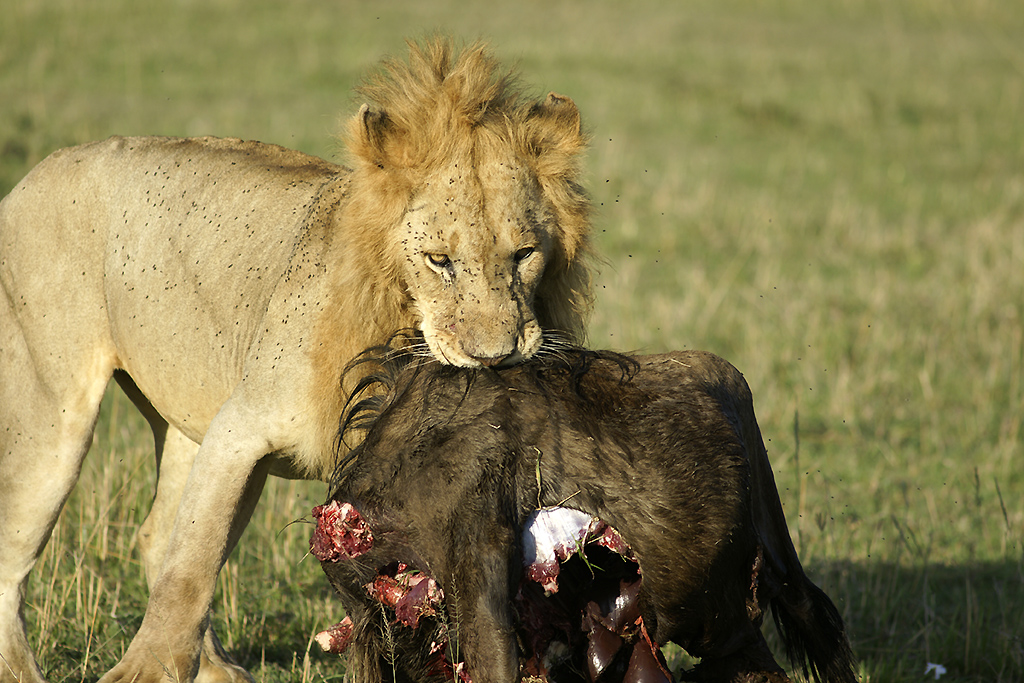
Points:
[(562, 518)]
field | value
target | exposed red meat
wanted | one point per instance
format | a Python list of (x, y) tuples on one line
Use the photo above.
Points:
[(386, 590), (410, 593), (546, 574), (654, 650), (336, 638), (602, 646), (625, 610), (609, 538), (552, 535), (608, 626), (608, 632), (462, 673), (422, 598), (644, 666), (341, 533), (439, 664), (600, 613)]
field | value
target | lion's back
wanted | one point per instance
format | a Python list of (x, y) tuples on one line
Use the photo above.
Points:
[(130, 214), (167, 246), (170, 171), (132, 188), (154, 152)]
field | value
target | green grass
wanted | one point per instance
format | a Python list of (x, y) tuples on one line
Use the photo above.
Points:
[(830, 195)]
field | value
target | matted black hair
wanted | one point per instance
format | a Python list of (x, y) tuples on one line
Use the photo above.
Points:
[(387, 370)]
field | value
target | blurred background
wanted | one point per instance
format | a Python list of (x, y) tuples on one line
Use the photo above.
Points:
[(830, 195)]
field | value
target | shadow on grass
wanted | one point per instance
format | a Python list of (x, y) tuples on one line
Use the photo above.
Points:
[(967, 618)]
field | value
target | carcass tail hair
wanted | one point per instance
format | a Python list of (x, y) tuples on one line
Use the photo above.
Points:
[(813, 632)]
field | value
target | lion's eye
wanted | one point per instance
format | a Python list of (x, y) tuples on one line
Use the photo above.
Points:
[(523, 254), (439, 260)]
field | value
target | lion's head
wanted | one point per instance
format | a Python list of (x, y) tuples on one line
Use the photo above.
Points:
[(474, 191)]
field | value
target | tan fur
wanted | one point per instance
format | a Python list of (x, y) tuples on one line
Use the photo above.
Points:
[(226, 284)]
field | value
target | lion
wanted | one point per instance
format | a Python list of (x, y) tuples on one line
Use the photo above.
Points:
[(225, 285)]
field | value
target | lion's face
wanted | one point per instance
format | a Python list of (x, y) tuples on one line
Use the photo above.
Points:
[(474, 246)]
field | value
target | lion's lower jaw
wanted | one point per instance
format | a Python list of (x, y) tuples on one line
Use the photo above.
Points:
[(463, 360), (512, 359)]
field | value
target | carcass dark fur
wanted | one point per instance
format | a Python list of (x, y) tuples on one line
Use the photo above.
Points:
[(664, 448)]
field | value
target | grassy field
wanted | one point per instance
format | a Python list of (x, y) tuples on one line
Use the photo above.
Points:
[(830, 195)]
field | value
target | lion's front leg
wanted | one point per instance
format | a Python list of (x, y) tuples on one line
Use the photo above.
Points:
[(178, 453), (220, 494)]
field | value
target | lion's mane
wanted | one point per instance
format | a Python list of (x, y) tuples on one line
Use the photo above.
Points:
[(424, 111)]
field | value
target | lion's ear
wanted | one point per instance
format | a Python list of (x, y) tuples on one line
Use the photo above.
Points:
[(376, 140), (555, 126)]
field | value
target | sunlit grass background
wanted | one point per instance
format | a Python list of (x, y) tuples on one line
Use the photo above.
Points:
[(828, 194)]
